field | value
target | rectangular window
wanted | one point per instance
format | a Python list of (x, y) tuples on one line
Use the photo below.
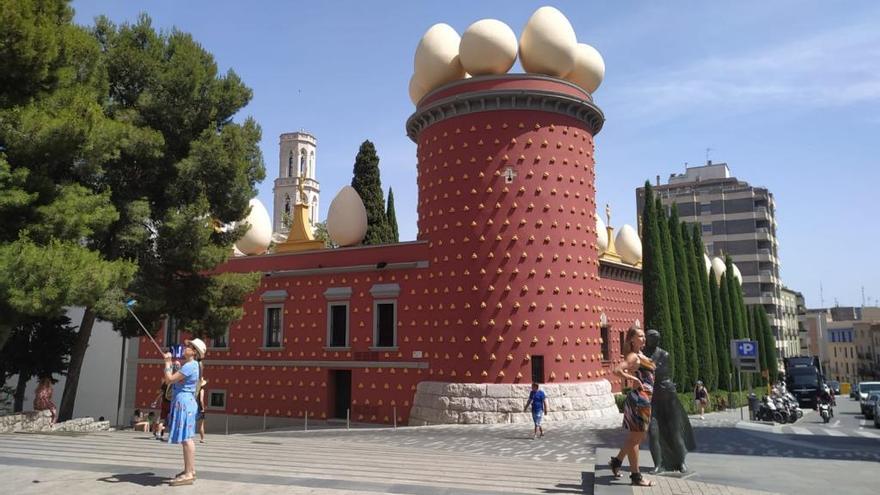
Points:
[(537, 369), (621, 337), (338, 325), (217, 399), (606, 347), (707, 228), (272, 326), (222, 342), (385, 324), (172, 331)]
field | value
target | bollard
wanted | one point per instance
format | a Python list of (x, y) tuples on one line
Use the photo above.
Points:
[(307, 421), (227, 424), (395, 416), (348, 419), (264, 420)]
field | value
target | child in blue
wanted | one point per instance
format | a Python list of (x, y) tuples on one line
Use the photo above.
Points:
[(538, 401)]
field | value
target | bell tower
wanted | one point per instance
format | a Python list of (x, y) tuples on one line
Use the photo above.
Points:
[(296, 181)]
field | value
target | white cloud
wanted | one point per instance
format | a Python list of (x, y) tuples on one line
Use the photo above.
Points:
[(835, 68)]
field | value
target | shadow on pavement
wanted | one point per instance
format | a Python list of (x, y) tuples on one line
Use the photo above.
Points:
[(586, 486), (142, 479), (739, 441)]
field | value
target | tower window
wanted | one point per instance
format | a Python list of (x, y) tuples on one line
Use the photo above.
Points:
[(302, 164), (290, 164)]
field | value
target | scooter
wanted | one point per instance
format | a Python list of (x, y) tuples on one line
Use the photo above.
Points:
[(825, 412)]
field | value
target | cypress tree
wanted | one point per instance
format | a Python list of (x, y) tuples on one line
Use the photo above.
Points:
[(367, 182), (702, 333), (734, 294), (682, 273), (757, 333), (391, 219), (654, 292), (699, 250), (770, 344), (722, 346), (676, 335)]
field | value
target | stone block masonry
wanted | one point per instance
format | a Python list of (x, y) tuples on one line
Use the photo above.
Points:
[(489, 403), (41, 421)]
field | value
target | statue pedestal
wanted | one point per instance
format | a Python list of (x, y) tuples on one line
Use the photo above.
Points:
[(297, 246)]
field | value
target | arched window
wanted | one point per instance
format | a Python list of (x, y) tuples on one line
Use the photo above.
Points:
[(312, 164), (290, 164), (302, 164), (286, 220)]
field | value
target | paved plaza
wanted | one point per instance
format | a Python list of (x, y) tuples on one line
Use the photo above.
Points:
[(733, 457)]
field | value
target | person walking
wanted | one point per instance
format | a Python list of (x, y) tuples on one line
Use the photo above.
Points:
[(43, 397), (184, 409), (639, 369), (538, 401), (201, 401), (701, 398)]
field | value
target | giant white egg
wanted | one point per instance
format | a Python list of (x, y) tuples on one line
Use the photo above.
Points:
[(437, 61), (417, 89), (736, 274), (628, 245), (488, 46), (589, 68), (601, 234), (708, 263), (719, 267), (259, 234), (347, 218), (548, 43)]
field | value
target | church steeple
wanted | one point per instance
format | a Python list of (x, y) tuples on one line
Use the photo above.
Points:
[(296, 170)]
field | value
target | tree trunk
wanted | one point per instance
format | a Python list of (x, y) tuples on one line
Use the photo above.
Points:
[(18, 405), (77, 354)]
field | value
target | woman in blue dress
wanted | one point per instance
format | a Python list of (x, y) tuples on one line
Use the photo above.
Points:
[(184, 409)]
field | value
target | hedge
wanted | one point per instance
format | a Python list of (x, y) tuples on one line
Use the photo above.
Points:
[(719, 400)]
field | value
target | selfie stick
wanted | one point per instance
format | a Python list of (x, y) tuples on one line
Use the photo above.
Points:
[(128, 305)]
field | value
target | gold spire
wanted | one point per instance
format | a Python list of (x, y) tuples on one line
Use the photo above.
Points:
[(300, 236)]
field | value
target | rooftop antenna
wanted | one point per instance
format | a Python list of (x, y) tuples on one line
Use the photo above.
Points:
[(821, 296), (863, 296), (707, 156)]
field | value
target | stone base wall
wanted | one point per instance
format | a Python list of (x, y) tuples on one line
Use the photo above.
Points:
[(488, 403), (41, 421)]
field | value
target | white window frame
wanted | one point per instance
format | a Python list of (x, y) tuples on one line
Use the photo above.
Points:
[(168, 341), (280, 308), (209, 393), (376, 304), (329, 340)]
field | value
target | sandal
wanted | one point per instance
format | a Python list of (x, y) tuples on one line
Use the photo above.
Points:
[(182, 473), (182, 481), (615, 464), (636, 479)]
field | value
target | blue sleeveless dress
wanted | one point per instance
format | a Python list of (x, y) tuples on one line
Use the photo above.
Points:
[(184, 408)]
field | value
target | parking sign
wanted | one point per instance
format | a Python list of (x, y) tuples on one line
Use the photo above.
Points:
[(745, 355)]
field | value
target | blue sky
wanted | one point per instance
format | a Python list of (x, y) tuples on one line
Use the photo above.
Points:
[(786, 92)]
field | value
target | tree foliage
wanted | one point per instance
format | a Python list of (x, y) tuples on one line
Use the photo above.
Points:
[(675, 335), (118, 157), (368, 184), (707, 370), (685, 299), (391, 219), (654, 288)]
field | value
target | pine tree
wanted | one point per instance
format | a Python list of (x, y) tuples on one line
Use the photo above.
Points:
[(704, 275), (367, 182), (654, 291), (722, 345), (391, 219), (682, 273), (676, 336)]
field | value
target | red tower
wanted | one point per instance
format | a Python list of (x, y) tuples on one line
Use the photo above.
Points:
[(507, 203)]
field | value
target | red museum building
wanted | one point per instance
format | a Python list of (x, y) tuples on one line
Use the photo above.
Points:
[(504, 285)]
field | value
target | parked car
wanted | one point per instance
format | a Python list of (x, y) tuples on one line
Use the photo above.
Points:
[(834, 385), (871, 404), (865, 388), (877, 414)]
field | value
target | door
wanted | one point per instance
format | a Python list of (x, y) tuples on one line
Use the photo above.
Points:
[(341, 392)]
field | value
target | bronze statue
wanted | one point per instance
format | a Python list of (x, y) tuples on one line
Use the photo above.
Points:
[(670, 434)]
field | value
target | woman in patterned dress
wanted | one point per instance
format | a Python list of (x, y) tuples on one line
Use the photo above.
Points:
[(637, 408), (43, 397), (184, 410)]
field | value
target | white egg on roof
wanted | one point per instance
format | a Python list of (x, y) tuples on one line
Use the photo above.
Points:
[(628, 245), (259, 234), (719, 267), (436, 60), (589, 68), (488, 46), (548, 43), (347, 218), (708, 263), (601, 234), (417, 89), (736, 273)]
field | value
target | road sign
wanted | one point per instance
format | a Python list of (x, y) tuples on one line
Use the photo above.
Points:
[(745, 355)]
